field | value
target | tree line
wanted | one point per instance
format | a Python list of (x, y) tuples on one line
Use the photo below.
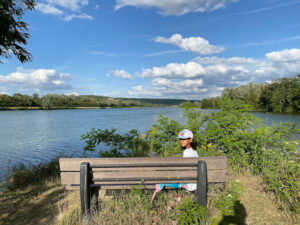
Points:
[(50, 101), (280, 95)]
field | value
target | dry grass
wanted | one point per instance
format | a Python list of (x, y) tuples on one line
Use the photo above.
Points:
[(121, 208)]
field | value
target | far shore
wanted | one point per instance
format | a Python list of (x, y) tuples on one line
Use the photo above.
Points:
[(15, 108)]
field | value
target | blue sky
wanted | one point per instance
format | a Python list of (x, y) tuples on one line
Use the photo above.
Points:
[(158, 49)]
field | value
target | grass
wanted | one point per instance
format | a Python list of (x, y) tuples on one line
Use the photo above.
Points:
[(244, 200)]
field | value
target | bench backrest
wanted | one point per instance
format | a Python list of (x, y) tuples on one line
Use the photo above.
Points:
[(120, 173)]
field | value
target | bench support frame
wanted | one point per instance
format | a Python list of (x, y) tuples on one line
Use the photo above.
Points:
[(89, 194), (201, 192), (85, 182)]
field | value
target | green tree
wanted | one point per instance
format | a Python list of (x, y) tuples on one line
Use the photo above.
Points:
[(13, 31), (47, 101)]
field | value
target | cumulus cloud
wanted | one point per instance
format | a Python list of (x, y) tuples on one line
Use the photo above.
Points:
[(175, 7), (73, 5), (77, 16), (286, 55), (39, 79), (72, 93), (170, 89), (175, 70), (67, 10), (208, 76), (192, 70), (48, 9), (119, 73), (194, 44)]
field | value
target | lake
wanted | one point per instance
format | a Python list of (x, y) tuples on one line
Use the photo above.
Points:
[(38, 136)]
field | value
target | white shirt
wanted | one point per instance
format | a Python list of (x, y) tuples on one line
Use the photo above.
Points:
[(190, 153)]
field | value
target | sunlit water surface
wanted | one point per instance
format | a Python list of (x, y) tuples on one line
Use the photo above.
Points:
[(38, 136)]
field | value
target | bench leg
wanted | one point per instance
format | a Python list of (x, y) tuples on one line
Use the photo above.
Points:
[(85, 191), (94, 198), (201, 193)]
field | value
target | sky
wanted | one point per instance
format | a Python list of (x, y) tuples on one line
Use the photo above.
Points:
[(179, 49)]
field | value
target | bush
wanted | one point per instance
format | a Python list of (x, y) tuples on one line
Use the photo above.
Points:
[(191, 212), (22, 176)]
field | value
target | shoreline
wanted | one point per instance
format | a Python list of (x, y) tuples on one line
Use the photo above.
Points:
[(17, 108)]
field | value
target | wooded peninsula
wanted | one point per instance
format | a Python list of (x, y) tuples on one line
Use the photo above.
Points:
[(279, 95)]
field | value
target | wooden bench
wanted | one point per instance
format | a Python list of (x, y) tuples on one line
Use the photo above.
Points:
[(91, 174)]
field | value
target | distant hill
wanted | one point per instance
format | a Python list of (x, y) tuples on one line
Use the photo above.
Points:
[(158, 101)]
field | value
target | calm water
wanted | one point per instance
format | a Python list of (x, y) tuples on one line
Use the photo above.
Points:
[(38, 136)]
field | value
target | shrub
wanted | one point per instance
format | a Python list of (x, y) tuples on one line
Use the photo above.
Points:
[(191, 212), (22, 176)]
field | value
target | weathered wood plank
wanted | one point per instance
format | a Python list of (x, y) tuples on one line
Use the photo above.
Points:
[(144, 169), (214, 176), (73, 164), (114, 187)]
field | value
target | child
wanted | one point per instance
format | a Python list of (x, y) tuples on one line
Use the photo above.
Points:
[(188, 144)]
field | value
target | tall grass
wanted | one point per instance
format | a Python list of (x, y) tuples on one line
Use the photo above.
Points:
[(21, 176)]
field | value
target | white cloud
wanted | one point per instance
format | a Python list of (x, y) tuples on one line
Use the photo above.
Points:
[(193, 70), (73, 5), (48, 9), (66, 10), (207, 77), (77, 16), (39, 79), (175, 70), (286, 55), (161, 87), (175, 7), (194, 44), (72, 93), (140, 90), (119, 73)]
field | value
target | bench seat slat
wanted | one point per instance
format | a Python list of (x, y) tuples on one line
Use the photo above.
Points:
[(113, 187), (143, 169), (214, 176), (73, 164)]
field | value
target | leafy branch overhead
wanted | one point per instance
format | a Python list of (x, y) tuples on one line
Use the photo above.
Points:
[(13, 31)]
